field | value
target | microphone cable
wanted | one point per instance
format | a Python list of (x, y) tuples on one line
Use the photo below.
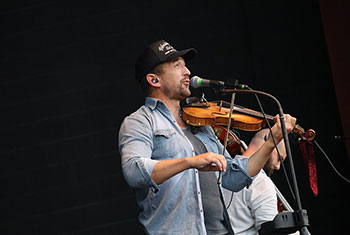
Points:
[(274, 142), (330, 162)]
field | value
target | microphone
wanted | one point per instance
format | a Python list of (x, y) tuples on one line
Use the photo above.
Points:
[(201, 82)]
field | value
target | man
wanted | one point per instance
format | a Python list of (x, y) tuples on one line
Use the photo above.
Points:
[(256, 204), (171, 168)]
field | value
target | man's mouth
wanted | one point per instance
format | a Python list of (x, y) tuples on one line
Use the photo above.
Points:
[(186, 82)]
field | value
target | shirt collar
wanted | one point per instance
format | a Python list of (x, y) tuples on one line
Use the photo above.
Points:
[(152, 102)]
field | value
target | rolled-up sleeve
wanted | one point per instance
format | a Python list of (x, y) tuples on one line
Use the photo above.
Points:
[(135, 148), (236, 176)]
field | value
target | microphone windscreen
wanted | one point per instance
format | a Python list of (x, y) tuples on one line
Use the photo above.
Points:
[(195, 82)]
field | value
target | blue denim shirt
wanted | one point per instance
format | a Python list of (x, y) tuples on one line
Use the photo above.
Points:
[(152, 134)]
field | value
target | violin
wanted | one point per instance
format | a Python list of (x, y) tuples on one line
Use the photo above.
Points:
[(213, 113)]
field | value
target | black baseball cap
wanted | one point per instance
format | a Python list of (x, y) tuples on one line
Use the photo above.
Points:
[(157, 53)]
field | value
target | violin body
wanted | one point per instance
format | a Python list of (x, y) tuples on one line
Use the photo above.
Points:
[(212, 114), (233, 142)]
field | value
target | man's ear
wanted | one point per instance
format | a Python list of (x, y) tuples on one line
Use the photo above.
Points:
[(152, 80)]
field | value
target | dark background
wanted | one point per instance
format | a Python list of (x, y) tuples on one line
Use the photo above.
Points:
[(67, 82)]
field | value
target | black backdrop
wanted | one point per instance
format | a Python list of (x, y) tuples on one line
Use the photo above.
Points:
[(67, 81)]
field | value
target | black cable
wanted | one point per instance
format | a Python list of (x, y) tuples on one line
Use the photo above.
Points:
[(274, 142), (330, 162), (229, 204)]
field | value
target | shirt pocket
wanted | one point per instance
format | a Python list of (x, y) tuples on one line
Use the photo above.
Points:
[(166, 144), (167, 133)]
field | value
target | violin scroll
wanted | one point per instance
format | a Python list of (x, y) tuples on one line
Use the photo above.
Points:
[(308, 135)]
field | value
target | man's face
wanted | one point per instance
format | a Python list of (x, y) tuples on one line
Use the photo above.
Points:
[(175, 79), (274, 162)]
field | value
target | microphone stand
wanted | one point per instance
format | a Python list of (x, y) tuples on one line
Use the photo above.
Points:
[(300, 214)]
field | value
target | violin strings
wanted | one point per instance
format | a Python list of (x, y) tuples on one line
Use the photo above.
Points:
[(243, 110)]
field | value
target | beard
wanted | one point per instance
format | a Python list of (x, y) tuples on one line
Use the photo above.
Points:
[(268, 168), (184, 92), (179, 92)]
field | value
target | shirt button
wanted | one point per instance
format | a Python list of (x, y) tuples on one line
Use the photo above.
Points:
[(199, 192), (201, 211)]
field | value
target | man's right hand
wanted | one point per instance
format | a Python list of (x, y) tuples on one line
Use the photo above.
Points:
[(208, 162), (165, 169)]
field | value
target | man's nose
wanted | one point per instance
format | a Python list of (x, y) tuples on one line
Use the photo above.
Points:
[(187, 71)]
